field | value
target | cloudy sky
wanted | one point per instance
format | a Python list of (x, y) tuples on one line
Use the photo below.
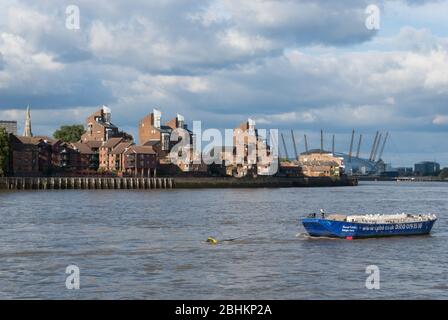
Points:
[(296, 64)]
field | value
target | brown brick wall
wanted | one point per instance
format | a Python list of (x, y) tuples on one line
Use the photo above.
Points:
[(146, 130)]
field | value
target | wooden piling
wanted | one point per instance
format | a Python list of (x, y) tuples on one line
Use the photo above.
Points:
[(72, 183)]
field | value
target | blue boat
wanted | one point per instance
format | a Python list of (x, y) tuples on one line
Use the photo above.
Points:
[(366, 226)]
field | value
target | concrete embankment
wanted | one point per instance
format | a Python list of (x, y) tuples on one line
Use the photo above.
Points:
[(263, 182), (56, 183)]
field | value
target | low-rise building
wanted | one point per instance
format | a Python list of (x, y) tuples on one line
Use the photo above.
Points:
[(44, 152), (290, 169), (9, 126), (121, 157), (426, 168), (42, 156), (88, 160), (319, 163), (116, 156), (107, 158), (61, 155), (24, 159), (64, 158), (138, 161)]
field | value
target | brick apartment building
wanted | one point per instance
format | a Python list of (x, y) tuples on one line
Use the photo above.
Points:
[(24, 159), (105, 154), (98, 142), (116, 156), (100, 128), (40, 156), (63, 156), (153, 133), (88, 162), (248, 145), (124, 158), (150, 129), (138, 161)]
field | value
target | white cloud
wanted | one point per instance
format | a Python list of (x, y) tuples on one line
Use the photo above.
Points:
[(102, 41), (24, 20), (215, 13), (289, 118), (147, 83), (440, 120), (22, 61), (243, 42), (286, 63)]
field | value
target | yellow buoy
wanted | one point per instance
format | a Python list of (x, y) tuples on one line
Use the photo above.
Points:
[(212, 240)]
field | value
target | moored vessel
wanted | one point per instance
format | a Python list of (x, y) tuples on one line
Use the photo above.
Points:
[(368, 225)]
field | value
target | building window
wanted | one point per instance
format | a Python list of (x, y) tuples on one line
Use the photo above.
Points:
[(165, 141)]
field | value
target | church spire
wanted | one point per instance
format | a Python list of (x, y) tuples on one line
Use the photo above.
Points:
[(27, 132)]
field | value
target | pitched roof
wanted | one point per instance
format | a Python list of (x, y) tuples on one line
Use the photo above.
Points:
[(25, 143), (121, 147), (49, 140), (42, 137), (151, 143), (141, 150), (112, 142), (94, 143), (83, 147), (30, 140)]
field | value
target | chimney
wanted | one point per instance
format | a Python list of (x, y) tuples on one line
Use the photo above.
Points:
[(106, 114), (157, 116), (180, 121)]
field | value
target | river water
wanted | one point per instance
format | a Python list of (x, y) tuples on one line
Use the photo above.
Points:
[(151, 244)]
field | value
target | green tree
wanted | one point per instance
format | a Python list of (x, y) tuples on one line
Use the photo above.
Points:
[(69, 133), (444, 173), (4, 151)]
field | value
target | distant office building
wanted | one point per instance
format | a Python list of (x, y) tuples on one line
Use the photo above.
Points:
[(405, 171), (9, 126), (426, 168)]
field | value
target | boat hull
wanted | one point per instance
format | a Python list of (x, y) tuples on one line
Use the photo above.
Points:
[(341, 229)]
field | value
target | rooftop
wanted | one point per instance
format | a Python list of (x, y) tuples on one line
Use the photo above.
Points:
[(82, 147), (141, 150), (121, 147), (112, 142), (314, 151), (95, 144)]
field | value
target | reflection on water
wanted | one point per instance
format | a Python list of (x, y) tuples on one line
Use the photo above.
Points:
[(151, 244)]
